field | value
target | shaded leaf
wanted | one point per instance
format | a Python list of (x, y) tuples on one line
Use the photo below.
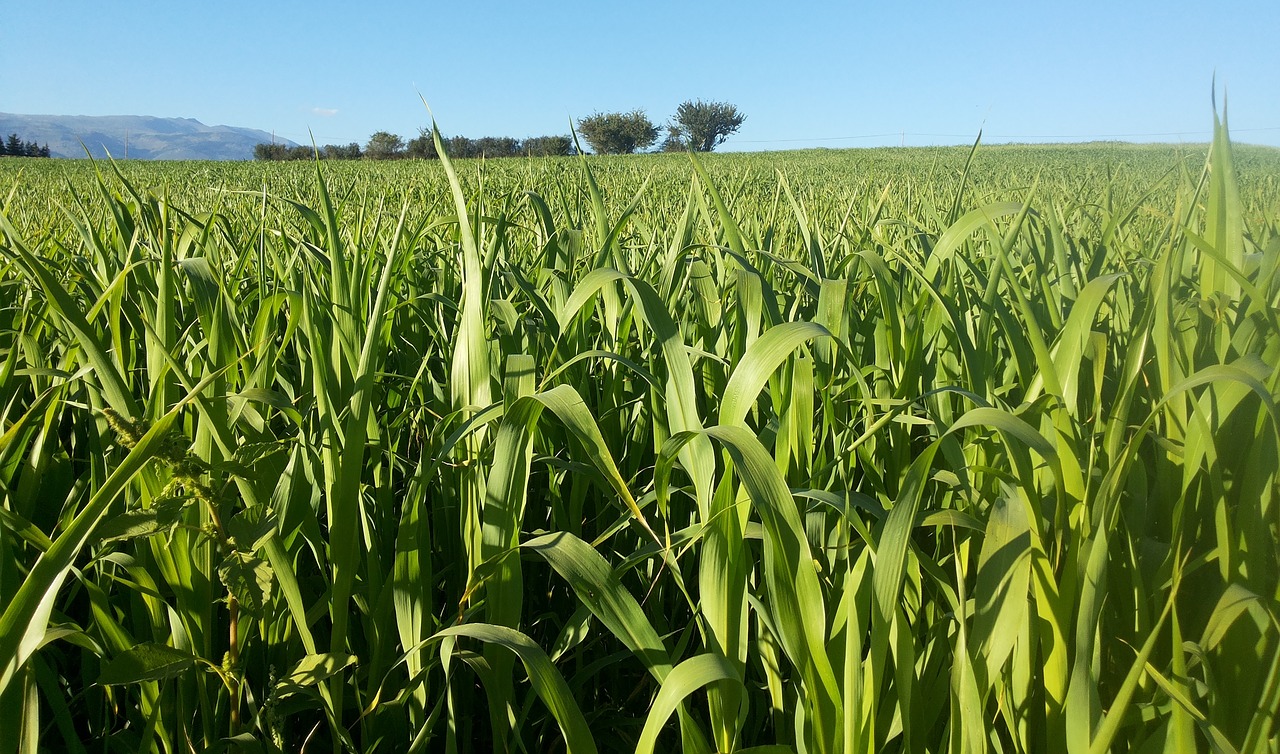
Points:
[(146, 662), (162, 516), (252, 527), (248, 578)]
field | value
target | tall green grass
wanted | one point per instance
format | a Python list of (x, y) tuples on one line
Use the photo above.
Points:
[(901, 450)]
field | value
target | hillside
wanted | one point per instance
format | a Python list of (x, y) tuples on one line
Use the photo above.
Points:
[(141, 137)]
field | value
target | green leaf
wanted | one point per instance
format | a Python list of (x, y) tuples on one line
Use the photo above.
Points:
[(686, 678), (313, 670), (546, 680), (162, 516), (252, 527), (146, 662), (761, 360), (961, 229), (1004, 575), (599, 588), (249, 579), (272, 398)]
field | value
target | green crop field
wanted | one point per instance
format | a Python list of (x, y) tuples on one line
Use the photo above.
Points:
[(900, 450)]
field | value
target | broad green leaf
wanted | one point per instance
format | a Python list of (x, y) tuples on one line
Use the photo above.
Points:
[(146, 662), (1004, 574), (249, 578), (311, 671), (162, 516), (251, 528)]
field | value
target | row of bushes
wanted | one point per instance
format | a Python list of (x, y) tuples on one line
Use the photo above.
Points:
[(497, 146), (281, 152), (388, 146)]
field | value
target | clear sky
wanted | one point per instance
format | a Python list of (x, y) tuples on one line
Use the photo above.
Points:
[(805, 73)]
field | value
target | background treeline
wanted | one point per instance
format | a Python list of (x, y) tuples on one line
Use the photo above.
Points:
[(697, 126), (281, 152), (388, 146), (14, 146)]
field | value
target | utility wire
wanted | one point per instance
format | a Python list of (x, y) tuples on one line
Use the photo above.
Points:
[(1004, 136), (322, 140)]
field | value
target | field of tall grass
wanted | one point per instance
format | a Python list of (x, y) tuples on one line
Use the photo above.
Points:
[(913, 450)]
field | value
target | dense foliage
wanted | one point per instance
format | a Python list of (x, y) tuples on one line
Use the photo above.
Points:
[(618, 133), (14, 146), (884, 450), (697, 125), (702, 126), (384, 145)]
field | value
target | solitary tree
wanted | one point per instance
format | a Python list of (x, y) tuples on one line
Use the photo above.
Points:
[(703, 126), (384, 146), (618, 133)]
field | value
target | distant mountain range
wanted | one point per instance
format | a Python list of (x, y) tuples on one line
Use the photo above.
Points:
[(139, 137)]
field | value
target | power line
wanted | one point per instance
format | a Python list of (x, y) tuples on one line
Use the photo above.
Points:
[(821, 138), (1003, 136), (323, 139)]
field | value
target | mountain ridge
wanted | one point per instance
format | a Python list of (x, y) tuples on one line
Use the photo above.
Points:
[(140, 137)]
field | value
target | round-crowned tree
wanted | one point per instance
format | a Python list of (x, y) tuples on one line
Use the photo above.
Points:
[(703, 126), (384, 146), (618, 133)]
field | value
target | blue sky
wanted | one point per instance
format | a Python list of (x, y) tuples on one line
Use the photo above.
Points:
[(805, 73)]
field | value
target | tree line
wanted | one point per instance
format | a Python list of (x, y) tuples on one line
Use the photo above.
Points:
[(697, 125), (14, 146), (384, 145)]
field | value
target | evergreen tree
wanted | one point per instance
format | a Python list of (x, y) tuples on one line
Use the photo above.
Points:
[(14, 146)]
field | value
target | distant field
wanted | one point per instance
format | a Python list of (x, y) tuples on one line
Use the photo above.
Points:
[(909, 450), (997, 171)]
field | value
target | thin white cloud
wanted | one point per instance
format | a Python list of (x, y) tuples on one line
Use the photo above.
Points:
[(325, 112)]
